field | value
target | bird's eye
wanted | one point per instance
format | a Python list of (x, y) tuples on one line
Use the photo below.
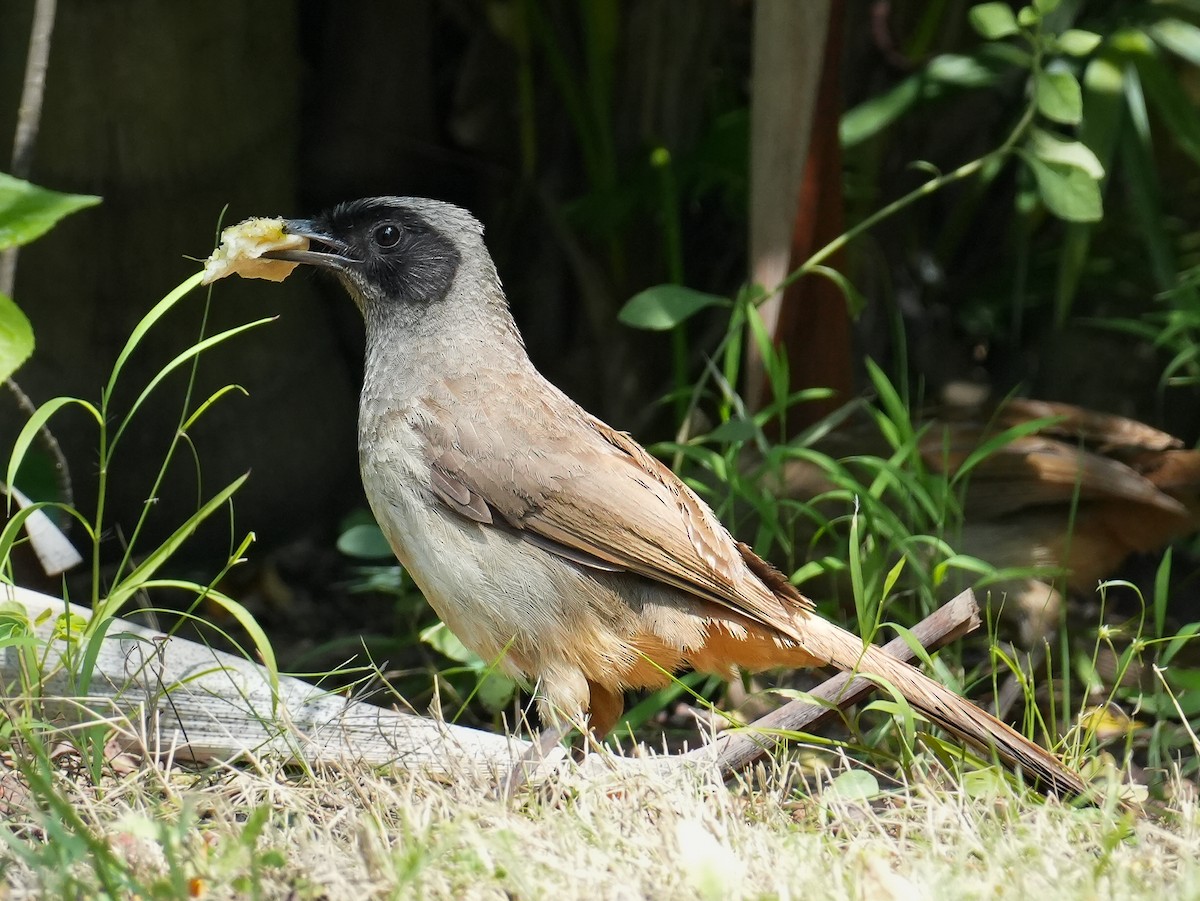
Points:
[(386, 236)]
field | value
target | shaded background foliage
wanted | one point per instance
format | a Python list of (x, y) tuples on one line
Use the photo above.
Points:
[(550, 121)]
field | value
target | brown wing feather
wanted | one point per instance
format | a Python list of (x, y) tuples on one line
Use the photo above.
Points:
[(653, 525), (457, 496)]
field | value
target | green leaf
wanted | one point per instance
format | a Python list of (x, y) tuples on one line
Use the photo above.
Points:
[(892, 577), (1176, 644), (1045, 7), (945, 73), (957, 71), (1068, 192), (212, 399), (365, 541), (1050, 148), (891, 403), (1104, 80), (857, 579), (962, 563), (441, 639), (1141, 174), (996, 443), (1077, 42), (15, 628), (495, 690), (1162, 88), (98, 632), (1059, 97), (993, 20), (16, 337), (29, 512), (731, 431), (1162, 588), (27, 212), (1104, 98), (984, 783), (68, 627), (665, 306), (1180, 37), (874, 115), (854, 785)]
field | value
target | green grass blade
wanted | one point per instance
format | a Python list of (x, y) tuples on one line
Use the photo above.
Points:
[(40, 417), (191, 352), (156, 313), (235, 609), (133, 583), (998, 442), (212, 399)]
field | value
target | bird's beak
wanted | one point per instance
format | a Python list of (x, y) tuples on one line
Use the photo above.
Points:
[(324, 251)]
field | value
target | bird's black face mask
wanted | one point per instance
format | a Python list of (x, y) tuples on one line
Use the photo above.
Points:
[(385, 252)]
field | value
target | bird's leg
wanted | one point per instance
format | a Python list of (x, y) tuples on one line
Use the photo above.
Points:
[(573, 691), (556, 726), (605, 707), (544, 742)]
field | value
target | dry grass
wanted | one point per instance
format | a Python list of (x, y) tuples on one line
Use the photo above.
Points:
[(262, 832)]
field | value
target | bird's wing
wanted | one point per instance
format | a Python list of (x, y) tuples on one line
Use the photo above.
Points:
[(593, 495)]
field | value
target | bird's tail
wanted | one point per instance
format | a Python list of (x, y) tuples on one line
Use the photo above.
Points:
[(941, 705)]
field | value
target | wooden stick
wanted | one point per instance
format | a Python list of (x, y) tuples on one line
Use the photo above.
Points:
[(736, 750)]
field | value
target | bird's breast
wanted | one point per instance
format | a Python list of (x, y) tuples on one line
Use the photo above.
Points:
[(492, 590)]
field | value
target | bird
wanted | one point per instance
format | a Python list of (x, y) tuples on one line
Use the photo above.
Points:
[(544, 538)]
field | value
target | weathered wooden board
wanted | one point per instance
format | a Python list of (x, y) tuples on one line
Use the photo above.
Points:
[(171, 696), (196, 702)]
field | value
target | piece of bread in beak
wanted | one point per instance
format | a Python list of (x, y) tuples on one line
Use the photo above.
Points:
[(242, 248)]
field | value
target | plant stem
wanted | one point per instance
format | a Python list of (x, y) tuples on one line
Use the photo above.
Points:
[(101, 490), (29, 115), (29, 118), (932, 186), (127, 557), (673, 244), (996, 157)]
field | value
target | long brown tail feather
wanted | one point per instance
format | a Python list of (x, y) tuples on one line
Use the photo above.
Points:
[(942, 706)]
